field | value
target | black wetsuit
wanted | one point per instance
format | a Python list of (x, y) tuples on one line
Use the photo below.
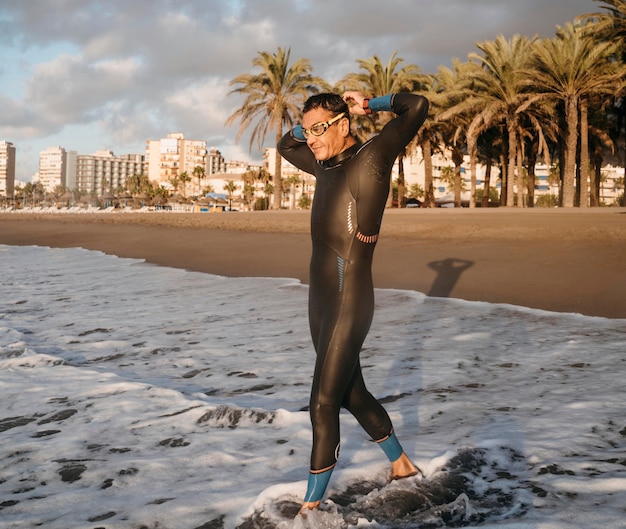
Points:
[(350, 197)]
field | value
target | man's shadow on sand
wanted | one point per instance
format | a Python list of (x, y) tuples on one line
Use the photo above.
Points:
[(448, 273)]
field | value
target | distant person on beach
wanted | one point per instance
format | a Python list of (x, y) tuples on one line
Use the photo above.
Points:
[(352, 186)]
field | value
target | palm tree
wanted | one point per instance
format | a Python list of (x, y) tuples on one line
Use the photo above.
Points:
[(249, 190), (138, 184), (454, 120), (230, 187), (199, 173), (265, 178), (175, 181), (268, 190), (495, 84), (291, 183), (601, 124), (448, 177), (611, 27), (184, 178), (377, 80), (430, 137), (570, 68), (273, 99)]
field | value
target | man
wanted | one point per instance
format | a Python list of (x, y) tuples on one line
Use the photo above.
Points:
[(352, 185)]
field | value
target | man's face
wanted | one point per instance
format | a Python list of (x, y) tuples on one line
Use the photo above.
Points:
[(331, 142)]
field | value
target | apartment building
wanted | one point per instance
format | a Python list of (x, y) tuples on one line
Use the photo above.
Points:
[(168, 158), (611, 184), (7, 169), (52, 168), (215, 162), (104, 171)]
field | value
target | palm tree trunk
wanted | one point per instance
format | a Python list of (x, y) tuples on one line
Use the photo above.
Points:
[(471, 148), (401, 184), (457, 158), (584, 153), (486, 184), (429, 191), (510, 174), (595, 174), (530, 184), (278, 184), (531, 157), (521, 203), (623, 204), (571, 141), (504, 179)]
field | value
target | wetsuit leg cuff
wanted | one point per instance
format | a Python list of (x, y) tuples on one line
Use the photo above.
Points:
[(391, 447), (318, 481)]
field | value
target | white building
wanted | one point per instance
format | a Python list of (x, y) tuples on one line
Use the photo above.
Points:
[(234, 172), (168, 158), (7, 169), (52, 168), (611, 184), (71, 167), (215, 162), (104, 171)]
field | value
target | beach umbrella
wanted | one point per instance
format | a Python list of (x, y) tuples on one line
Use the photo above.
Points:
[(141, 199), (66, 198), (87, 199), (125, 198), (179, 199), (106, 198)]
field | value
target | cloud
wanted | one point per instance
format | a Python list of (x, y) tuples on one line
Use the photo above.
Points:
[(19, 122), (135, 70), (71, 90)]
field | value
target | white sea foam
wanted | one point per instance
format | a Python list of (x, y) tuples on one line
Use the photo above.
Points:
[(139, 396)]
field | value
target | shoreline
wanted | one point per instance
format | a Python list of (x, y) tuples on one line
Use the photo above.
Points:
[(552, 259)]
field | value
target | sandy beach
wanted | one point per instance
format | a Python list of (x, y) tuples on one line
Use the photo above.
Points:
[(551, 259)]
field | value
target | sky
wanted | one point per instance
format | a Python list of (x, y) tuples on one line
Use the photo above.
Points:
[(88, 75)]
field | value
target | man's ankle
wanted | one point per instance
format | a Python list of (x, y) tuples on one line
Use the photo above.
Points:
[(403, 468), (309, 506)]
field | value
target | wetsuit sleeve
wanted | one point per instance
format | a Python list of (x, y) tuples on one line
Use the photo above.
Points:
[(380, 153), (411, 110), (293, 148)]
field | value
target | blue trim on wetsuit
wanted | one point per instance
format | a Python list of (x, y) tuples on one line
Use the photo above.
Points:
[(380, 104), (297, 133), (391, 447), (341, 265), (317, 485)]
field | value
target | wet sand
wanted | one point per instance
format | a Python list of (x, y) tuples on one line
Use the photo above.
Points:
[(551, 259)]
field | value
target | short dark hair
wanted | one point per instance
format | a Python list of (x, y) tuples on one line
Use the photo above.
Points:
[(328, 101)]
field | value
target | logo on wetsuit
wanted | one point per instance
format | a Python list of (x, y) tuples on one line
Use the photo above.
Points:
[(367, 239)]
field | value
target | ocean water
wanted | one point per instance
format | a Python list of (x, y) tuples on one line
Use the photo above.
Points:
[(136, 396)]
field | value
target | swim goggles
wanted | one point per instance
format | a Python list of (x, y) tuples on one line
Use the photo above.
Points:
[(317, 129)]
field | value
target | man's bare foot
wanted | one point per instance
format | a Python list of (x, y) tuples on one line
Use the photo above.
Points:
[(309, 506), (403, 468)]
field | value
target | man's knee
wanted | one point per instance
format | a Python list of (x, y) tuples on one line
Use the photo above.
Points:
[(323, 412)]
